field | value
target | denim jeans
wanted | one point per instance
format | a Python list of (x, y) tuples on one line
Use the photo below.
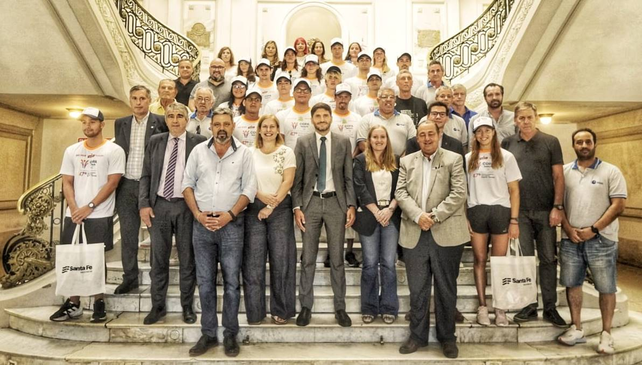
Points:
[(210, 248), (599, 254), (379, 251), (274, 235)]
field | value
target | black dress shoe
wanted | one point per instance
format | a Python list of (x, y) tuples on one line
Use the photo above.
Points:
[(528, 313), (450, 350), (342, 318), (231, 346), (554, 317), (126, 287), (204, 343), (304, 317), (189, 316), (459, 318), (410, 346), (352, 259), (154, 315)]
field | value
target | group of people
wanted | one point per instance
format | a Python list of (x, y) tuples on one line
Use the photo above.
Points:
[(407, 166)]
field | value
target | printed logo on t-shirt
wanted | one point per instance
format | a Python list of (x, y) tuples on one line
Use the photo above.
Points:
[(88, 164)]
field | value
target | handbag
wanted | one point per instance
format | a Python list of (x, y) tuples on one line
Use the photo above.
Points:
[(80, 267), (513, 279)]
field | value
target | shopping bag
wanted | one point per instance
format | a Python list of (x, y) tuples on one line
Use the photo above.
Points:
[(80, 267), (513, 279)]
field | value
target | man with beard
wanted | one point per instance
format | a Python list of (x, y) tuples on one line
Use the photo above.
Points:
[(184, 83), (407, 104), (166, 95), (595, 196), (220, 87), (438, 113), (219, 182), (504, 120), (90, 173)]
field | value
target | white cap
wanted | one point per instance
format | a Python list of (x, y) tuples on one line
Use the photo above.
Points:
[(246, 59), (298, 81), (282, 75), (311, 58), (241, 79), (335, 41), (482, 121), (374, 72), (263, 61), (377, 47), (343, 88), (93, 113), (362, 54), (289, 49), (253, 90)]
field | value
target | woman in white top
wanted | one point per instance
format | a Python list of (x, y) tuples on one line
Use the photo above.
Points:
[(225, 53), (380, 62), (493, 205), (269, 227), (312, 72), (235, 104)]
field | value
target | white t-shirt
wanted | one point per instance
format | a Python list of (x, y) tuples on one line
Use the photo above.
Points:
[(91, 169), (318, 87), (400, 129), (267, 93), (294, 125), (235, 108), (269, 168), (391, 74), (347, 125), (323, 98), (487, 186), (358, 86), (276, 106), (366, 105), (245, 130), (347, 69)]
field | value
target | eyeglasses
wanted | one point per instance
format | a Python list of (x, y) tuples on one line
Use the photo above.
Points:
[(236, 87), (199, 99), (438, 114), (217, 67)]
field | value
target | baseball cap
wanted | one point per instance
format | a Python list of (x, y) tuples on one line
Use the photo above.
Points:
[(93, 113), (363, 54), (405, 54), (282, 75), (289, 49), (253, 90), (378, 47), (246, 59), (374, 72), (482, 121), (311, 58), (241, 79), (334, 69), (264, 61), (343, 88), (335, 41), (298, 81)]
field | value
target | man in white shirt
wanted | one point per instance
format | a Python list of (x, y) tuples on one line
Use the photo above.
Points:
[(368, 103), (435, 81), (296, 121), (359, 82), (332, 79), (264, 84), (245, 125), (336, 48), (285, 100)]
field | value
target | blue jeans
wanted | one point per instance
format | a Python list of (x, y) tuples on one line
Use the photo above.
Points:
[(379, 250), (599, 254), (210, 248)]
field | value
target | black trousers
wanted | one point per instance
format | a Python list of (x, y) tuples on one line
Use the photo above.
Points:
[(129, 217), (423, 263)]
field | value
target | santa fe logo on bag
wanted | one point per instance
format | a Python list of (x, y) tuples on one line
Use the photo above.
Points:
[(506, 281), (85, 268)]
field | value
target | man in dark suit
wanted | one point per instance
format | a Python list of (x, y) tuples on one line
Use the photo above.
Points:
[(164, 211), (431, 192), (323, 193), (438, 113), (132, 134)]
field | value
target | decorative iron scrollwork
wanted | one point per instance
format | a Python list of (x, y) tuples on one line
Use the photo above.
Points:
[(463, 50)]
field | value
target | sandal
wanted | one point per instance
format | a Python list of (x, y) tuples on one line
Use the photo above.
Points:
[(388, 318), (278, 320), (367, 318)]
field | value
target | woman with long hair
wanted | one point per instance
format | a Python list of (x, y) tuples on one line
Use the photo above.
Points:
[(378, 217), (353, 52), (301, 49), (269, 228), (290, 65), (235, 104), (380, 62), (318, 49), (225, 53), (246, 70), (271, 52), (493, 205), (312, 72)]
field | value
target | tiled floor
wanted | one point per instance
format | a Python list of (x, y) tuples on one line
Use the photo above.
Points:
[(629, 279)]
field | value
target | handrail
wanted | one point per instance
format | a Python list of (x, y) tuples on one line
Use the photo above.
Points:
[(162, 45), (463, 50)]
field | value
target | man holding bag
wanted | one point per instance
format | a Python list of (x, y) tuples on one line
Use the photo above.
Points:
[(90, 170)]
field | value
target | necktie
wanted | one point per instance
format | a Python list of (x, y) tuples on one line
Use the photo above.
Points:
[(322, 164), (168, 191)]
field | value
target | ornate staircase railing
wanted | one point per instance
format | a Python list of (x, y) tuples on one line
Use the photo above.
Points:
[(160, 44), (463, 50)]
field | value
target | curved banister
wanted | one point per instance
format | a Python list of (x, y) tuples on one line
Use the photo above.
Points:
[(160, 44), (463, 50)]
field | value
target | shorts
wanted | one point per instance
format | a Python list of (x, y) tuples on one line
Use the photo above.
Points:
[(599, 254), (493, 219), (98, 230)]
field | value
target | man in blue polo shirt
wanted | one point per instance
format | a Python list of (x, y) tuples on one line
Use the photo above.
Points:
[(595, 196)]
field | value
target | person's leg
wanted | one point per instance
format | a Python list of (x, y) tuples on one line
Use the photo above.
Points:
[(254, 256), (206, 261), (420, 283), (602, 256), (480, 255), (526, 243), (370, 272), (389, 303), (161, 237), (313, 222), (334, 220), (230, 243), (545, 239), (572, 273), (129, 218)]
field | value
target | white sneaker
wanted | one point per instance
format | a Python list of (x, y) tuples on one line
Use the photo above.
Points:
[(482, 316), (606, 344), (572, 336), (500, 318)]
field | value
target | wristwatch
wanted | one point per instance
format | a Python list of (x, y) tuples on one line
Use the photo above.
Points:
[(559, 207), (433, 216), (595, 230), (91, 205)]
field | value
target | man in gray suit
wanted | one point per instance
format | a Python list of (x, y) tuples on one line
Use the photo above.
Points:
[(323, 193), (431, 192), (132, 133), (164, 211)]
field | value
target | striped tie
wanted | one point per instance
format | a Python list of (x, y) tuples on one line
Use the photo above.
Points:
[(168, 191)]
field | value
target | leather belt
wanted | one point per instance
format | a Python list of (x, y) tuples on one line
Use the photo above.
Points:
[(171, 200), (324, 195)]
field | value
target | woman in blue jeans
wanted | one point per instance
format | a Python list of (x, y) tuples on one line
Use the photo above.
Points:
[(269, 228), (375, 180)]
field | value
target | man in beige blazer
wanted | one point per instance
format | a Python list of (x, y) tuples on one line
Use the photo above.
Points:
[(431, 192)]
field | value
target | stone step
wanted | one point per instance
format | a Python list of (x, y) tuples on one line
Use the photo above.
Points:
[(129, 327), (139, 300), (321, 277)]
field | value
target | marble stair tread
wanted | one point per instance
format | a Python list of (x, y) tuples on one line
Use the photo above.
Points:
[(27, 349), (129, 327)]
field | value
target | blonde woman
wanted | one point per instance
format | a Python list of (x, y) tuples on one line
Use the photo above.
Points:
[(380, 62)]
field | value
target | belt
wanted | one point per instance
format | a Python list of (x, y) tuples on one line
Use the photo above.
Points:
[(171, 200), (324, 195), (383, 202)]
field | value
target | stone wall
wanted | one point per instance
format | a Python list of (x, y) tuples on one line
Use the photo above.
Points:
[(619, 138)]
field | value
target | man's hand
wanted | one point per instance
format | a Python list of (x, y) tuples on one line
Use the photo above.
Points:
[(555, 217), (299, 218), (350, 214), (222, 220), (81, 214), (146, 214), (207, 221), (571, 232), (585, 234), (425, 222)]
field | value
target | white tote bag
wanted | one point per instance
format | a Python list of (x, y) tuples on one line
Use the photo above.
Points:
[(80, 267), (513, 279)]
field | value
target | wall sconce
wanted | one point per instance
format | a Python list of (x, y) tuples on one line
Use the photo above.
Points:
[(546, 118), (74, 113)]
